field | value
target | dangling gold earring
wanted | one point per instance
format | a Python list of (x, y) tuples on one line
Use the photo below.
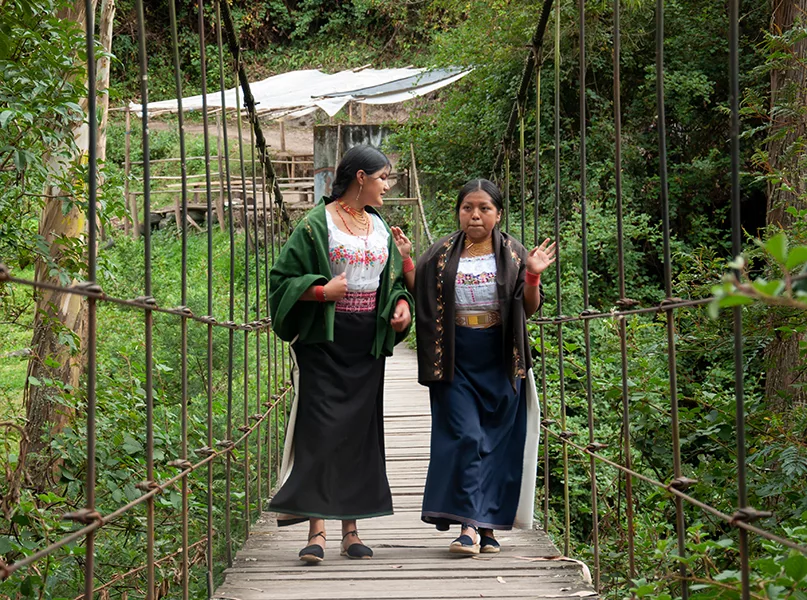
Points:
[(361, 187)]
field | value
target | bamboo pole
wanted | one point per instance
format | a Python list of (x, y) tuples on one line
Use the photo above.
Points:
[(220, 199), (131, 197), (127, 167)]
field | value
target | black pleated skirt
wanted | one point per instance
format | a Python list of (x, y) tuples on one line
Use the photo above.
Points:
[(338, 469)]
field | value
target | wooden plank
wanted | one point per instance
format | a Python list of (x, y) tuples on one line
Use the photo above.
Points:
[(411, 559)]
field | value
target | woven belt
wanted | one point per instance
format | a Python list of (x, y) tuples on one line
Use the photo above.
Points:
[(481, 320)]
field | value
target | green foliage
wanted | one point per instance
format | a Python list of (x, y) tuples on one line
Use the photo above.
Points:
[(787, 288), (120, 424), (275, 36), (456, 139), (40, 95)]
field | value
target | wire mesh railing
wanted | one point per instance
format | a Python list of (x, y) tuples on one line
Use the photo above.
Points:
[(244, 448), (557, 329), (256, 428)]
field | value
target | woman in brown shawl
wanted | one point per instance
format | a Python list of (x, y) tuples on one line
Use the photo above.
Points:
[(474, 291)]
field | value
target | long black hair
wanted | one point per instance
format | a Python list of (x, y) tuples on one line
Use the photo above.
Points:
[(484, 185), (358, 158)]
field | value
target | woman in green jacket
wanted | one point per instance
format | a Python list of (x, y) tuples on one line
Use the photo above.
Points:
[(337, 295)]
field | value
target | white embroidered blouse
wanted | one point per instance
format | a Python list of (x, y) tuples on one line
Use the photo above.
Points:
[(361, 262), (475, 288)]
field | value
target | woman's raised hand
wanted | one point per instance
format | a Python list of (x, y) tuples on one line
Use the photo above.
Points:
[(541, 257), (402, 242), (336, 288)]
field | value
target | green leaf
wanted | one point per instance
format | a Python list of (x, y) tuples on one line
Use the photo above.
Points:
[(5, 116), (27, 587), (132, 446), (34, 381), (777, 247), (769, 288), (5, 544), (796, 258), (796, 567), (729, 301)]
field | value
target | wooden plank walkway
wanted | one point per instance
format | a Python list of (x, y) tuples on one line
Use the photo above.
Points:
[(411, 558)]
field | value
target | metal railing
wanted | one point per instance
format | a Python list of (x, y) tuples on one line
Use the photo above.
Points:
[(265, 402), (555, 422), (266, 374)]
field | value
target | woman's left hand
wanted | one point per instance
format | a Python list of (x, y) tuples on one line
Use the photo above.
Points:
[(541, 257), (402, 242), (401, 318)]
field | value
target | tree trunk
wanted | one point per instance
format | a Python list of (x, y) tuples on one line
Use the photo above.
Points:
[(786, 381), (105, 33), (55, 366)]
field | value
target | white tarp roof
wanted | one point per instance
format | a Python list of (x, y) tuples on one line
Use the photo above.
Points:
[(300, 92)]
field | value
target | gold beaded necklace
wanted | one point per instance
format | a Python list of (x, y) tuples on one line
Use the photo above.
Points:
[(483, 248), (360, 216)]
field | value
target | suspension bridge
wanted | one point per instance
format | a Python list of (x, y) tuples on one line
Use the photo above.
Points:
[(239, 553)]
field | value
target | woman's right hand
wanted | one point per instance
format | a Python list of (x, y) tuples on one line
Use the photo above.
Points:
[(402, 242), (336, 288)]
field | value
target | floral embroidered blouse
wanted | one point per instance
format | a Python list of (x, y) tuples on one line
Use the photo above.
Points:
[(476, 284), (361, 262)]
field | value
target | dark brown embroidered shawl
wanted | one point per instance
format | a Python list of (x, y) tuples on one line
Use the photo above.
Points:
[(435, 305)]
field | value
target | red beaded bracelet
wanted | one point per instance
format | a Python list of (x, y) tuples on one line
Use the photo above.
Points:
[(408, 265), (319, 293), (533, 279)]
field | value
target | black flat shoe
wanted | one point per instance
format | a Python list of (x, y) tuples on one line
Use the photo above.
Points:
[(489, 545), (356, 550), (464, 544), (313, 553)]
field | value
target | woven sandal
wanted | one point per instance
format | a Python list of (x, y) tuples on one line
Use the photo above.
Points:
[(489, 545), (356, 550), (464, 544), (313, 553)]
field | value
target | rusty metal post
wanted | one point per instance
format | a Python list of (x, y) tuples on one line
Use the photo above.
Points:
[(92, 313), (736, 245), (595, 526), (184, 300)]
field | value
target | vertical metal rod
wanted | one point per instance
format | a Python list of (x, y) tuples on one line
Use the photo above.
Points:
[(736, 246), (558, 291), (209, 366), (149, 316), (541, 332), (228, 461), (257, 312), (595, 525), (507, 191), (623, 334), (92, 313), (523, 167), (273, 396), (282, 382), (671, 356), (266, 242), (537, 151), (184, 294), (246, 299)]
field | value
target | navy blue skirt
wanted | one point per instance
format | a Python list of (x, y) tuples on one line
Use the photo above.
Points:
[(479, 427)]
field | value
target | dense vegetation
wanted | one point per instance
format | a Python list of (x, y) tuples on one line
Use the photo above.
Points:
[(456, 138)]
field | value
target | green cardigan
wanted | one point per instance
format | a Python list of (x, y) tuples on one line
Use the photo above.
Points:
[(304, 261)]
